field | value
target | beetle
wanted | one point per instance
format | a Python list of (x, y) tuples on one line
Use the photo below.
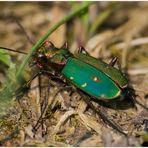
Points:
[(92, 76), (89, 75)]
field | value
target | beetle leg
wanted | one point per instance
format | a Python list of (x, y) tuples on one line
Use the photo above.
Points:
[(113, 61), (102, 115), (43, 112), (43, 109), (29, 81), (136, 101), (65, 46), (52, 75), (82, 50), (116, 61), (26, 84)]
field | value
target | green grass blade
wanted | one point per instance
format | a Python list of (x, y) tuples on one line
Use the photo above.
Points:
[(50, 31), (8, 92)]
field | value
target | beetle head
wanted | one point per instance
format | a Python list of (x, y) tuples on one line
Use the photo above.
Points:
[(48, 55)]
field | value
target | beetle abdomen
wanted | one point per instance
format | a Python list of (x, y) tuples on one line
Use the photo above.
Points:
[(90, 80)]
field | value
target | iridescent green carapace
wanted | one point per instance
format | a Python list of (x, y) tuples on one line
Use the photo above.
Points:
[(90, 80), (113, 73)]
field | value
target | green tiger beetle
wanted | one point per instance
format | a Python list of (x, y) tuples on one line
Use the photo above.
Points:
[(91, 77)]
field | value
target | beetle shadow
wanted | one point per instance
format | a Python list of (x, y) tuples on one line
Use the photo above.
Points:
[(117, 103)]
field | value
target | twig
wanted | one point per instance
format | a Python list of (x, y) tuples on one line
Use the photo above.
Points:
[(138, 71), (63, 119), (135, 42)]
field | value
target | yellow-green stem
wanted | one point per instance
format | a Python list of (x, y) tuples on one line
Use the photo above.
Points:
[(49, 32)]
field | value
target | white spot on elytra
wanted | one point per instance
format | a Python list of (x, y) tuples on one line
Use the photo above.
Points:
[(103, 96), (84, 85), (71, 78), (95, 79)]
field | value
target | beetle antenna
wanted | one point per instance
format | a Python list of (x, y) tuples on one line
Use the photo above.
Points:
[(24, 31), (13, 50)]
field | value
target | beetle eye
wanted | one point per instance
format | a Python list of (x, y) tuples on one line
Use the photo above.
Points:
[(48, 45)]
